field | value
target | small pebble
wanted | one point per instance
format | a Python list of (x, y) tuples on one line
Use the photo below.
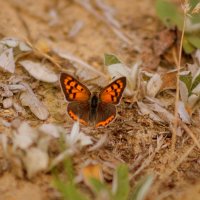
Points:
[(7, 103)]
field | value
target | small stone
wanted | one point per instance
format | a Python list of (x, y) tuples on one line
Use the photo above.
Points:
[(7, 103)]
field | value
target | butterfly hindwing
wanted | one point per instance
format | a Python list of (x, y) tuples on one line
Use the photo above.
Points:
[(79, 111), (73, 89), (105, 114), (113, 92)]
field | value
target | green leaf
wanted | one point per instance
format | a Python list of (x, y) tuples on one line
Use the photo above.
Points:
[(195, 82), (187, 46), (60, 186), (122, 183), (193, 3), (67, 187), (111, 59), (69, 191), (169, 14), (195, 18), (69, 170), (98, 186), (187, 79), (142, 188), (194, 40)]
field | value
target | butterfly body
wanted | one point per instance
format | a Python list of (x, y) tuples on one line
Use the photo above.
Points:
[(91, 108), (94, 103)]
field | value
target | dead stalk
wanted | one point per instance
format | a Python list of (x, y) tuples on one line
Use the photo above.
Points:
[(175, 123), (179, 161), (190, 133), (112, 26)]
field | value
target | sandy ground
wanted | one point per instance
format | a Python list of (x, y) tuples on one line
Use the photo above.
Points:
[(131, 135)]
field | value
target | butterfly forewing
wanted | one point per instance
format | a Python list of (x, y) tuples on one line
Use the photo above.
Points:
[(73, 89), (113, 92)]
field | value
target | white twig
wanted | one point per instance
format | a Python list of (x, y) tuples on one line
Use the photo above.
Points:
[(99, 144), (61, 157), (79, 61), (107, 20)]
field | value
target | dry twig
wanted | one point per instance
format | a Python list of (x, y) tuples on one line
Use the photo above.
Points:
[(86, 5), (176, 118)]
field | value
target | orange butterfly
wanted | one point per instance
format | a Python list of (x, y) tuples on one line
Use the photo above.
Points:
[(96, 109)]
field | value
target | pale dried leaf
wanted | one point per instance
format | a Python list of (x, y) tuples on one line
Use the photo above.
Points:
[(196, 90), (77, 137), (25, 136), (119, 69), (39, 71), (183, 113), (193, 68), (154, 85), (35, 161), (183, 91), (10, 42), (162, 112), (7, 62), (51, 129), (24, 47), (145, 110), (72, 138), (78, 25), (18, 108), (162, 102), (196, 74), (134, 74), (192, 100), (28, 98), (43, 143), (84, 139), (16, 88)]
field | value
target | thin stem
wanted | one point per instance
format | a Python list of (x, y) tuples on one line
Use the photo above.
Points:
[(177, 87)]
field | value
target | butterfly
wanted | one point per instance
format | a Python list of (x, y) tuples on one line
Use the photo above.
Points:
[(91, 108)]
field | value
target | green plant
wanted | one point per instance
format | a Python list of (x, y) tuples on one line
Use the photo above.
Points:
[(172, 15), (120, 189)]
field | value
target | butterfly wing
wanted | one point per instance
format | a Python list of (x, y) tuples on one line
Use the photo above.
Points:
[(79, 111), (113, 92), (105, 114), (73, 89)]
